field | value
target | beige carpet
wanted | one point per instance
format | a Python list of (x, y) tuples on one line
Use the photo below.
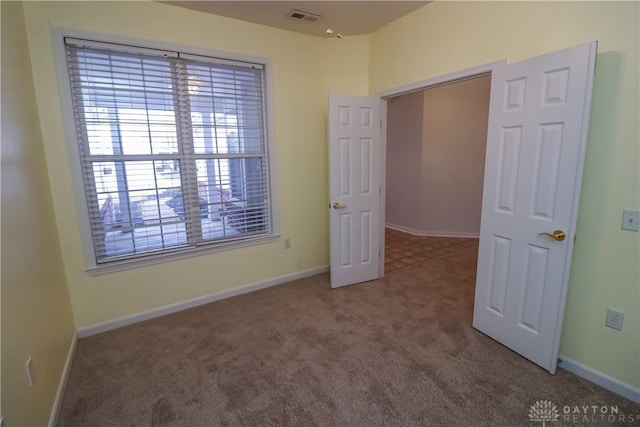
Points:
[(393, 352)]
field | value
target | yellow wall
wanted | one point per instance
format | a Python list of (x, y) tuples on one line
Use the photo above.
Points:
[(36, 311), (448, 36), (304, 70)]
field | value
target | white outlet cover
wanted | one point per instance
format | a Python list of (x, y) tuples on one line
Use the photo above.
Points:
[(615, 319), (631, 220)]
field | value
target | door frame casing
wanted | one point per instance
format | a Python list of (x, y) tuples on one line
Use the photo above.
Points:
[(384, 96)]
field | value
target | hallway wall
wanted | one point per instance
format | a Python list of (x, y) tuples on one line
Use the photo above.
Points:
[(404, 160), (436, 142), (454, 140)]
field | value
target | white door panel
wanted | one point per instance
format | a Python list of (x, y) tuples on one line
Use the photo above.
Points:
[(536, 138), (354, 169)]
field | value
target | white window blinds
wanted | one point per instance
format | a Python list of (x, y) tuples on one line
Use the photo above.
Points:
[(172, 148)]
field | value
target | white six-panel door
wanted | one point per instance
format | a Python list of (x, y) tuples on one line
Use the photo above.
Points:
[(354, 170), (538, 119)]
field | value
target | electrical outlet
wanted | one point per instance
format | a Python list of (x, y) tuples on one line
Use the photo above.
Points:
[(287, 243), (614, 319), (630, 220), (29, 368)]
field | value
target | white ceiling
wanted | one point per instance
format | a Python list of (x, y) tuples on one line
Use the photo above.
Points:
[(345, 17)]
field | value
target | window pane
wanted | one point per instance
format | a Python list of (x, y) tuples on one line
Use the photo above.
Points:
[(234, 193), (147, 131), (126, 97), (98, 127), (135, 212), (230, 108), (146, 239)]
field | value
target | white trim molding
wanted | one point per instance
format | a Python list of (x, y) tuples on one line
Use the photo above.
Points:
[(452, 77), (195, 302), (431, 233), (64, 378), (625, 390)]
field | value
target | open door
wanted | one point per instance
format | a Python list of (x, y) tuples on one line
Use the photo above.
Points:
[(354, 171), (538, 120)]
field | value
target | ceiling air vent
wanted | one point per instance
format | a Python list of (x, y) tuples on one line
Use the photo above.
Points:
[(299, 15)]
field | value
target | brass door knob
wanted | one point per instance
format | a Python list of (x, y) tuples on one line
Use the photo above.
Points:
[(557, 235), (337, 205)]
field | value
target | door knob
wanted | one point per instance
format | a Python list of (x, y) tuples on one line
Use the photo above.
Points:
[(557, 235), (337, 205)]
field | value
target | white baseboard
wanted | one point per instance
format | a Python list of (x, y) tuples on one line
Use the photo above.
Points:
[(625, 390), (173, 308), (427, 233), (57, 403)]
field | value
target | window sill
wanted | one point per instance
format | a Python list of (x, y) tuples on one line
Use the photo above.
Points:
[(115, 266)]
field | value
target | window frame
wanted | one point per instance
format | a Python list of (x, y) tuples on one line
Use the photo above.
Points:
[(81, 197)]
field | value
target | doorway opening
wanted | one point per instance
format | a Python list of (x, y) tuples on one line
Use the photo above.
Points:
[(436, 141), (434, 169)]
